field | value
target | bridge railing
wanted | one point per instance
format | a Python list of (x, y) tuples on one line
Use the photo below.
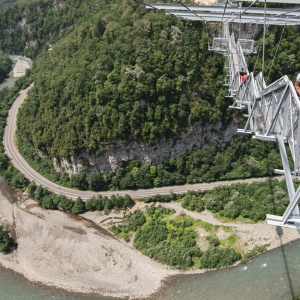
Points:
[(274, 115), (281, 108), (273, 112), (236, 55)]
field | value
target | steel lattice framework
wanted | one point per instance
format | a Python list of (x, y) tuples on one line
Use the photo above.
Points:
[(273, 115), (273, 110), (274, 16)]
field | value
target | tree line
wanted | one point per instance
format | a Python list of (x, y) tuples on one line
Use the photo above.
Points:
[(242, 157), (4, 3), (43, 196), (134, 74), (215, 257), (130, 74), (250, 201), (28, 27), (5, 65), (49, 200)]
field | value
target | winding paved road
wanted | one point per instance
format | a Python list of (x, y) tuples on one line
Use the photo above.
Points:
[(19, 162)]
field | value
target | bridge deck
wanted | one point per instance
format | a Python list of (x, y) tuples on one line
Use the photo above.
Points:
[(273, 111)]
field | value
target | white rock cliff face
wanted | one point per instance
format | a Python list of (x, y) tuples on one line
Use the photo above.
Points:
[(115, 152)]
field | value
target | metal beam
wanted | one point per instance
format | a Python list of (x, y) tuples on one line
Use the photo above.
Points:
[(279, 109), (220, 9), (231, 15), (292, 209), (177, 7), (216, 14), (273, 1), (286, 167), (244, 19), (275, 115)]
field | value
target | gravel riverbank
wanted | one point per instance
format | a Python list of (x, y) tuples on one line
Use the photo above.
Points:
[(69, 252), (60, 251)]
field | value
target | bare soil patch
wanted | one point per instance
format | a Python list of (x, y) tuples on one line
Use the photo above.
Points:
[(20, 68)]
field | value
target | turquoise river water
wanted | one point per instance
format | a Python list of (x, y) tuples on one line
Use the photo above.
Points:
[(273, 275)]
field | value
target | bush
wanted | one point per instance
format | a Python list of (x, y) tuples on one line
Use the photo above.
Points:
[(216, 257), (5, 241), (193, 202), (213, 240), (161, 198), (78, 207)]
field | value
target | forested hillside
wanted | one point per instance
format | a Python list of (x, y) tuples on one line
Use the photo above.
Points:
[(111, 70), (4, 3), (281, 59), (5, 65), (125, 74), (27, 27)]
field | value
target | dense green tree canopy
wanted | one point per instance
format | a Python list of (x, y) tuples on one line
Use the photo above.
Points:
[(110, 70), (28, 26), (173, 241), (5, 65), (4, 3), (252, 201), (127, 73), (4, 240)]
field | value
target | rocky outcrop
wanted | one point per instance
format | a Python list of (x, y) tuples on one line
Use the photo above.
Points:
[(115, 152), (58, 4)]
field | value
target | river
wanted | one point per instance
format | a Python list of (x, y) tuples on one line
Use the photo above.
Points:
[(273, 275)]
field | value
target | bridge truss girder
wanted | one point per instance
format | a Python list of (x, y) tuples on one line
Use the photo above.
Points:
[(273, 110), (234, 14), (272, 115)]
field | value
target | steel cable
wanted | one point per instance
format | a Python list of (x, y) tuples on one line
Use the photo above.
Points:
[(276, 52)]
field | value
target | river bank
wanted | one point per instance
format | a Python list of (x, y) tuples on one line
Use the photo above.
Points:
[(62, 251), (20, 65)]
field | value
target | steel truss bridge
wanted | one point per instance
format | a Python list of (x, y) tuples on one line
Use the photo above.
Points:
[(272, 111)]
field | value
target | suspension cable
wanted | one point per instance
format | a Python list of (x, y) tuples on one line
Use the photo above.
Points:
[(264, 39), (296, 9), (263, 65), (224, 10), (186, 7), (141, 2), (258, 51), (240, 25), (253, 3), (276, 51), (246, 33), (207, 35), (255, 29)]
